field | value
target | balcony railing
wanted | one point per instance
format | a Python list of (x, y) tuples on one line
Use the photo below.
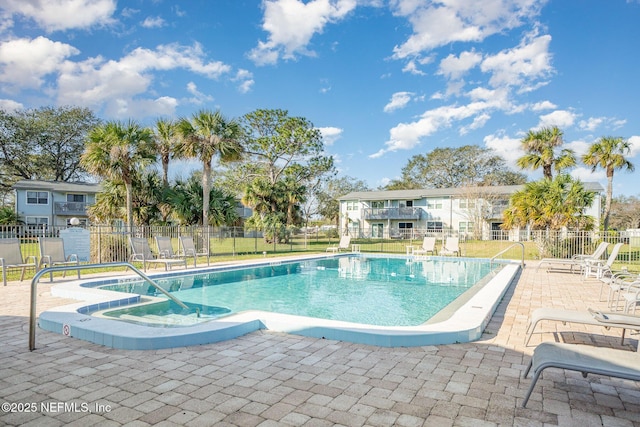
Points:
[(392, 213), (70, 208)]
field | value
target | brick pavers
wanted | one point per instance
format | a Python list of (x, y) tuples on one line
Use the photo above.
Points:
[(274, 379)]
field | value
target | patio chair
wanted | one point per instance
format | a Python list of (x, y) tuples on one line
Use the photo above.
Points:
[(598, 268), (188, 249), (11, 257), (428, 246), (140, 251), (344, 243), (52, 254), (576, 260), (165, 248), (589, 317), (451, 246), (586, 359)]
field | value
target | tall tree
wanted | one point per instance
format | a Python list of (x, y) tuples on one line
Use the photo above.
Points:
[(540, 152), (469, 165), (328, 204), (165, 138), (285, 158), (116, 151), (44, 143), (185, 198), (609, 154), (207, 135)]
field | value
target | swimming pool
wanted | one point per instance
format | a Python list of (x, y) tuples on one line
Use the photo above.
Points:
[(379, 291), (464, 321)]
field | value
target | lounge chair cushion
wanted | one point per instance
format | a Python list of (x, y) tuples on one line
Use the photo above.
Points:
[(583, 358)]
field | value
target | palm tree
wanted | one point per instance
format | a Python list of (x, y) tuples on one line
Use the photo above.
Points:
[(203, 137), (609, 154), (115, 151), (549, 204), (540, 152), (165, 138)]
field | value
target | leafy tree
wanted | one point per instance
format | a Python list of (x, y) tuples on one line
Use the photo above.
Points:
[(609, 154), (549, 204), (165, 138), (625, 213), (540, 148), (204, 137), (186, 201), (328, 194), (8, 216), (285, 158), (469, 165), (115, 151), (45, 143)]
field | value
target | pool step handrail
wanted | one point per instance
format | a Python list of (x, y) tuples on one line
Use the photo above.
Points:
[(505, 250), (36, 278)]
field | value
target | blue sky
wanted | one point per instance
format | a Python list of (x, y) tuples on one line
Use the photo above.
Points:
[(382, 80)]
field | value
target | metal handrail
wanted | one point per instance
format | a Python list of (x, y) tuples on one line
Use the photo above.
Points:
[(34, 294), (506, 249)]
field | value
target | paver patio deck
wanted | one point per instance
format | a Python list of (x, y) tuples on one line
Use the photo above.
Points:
[(271, 379)]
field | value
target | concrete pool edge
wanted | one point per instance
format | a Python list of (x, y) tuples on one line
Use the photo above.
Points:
[(467, 324)]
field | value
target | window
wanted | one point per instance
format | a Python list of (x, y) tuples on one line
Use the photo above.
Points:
[(377, 205), (37, 221), (434, 203), (352, 205), (405, 225), (465, 227), (434, 225), (467, 203), (37, 198), (409, 203), (80, 198)]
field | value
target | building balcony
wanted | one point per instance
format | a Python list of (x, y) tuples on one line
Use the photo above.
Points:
[(392, 213), (70, 208)]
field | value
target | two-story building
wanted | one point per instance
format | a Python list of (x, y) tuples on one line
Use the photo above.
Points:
[(469, 212), (53, 203)]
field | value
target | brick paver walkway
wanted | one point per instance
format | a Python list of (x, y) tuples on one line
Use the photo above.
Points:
[(272, 379)]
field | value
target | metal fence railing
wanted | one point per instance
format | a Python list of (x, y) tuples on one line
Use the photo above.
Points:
[(110, 244)]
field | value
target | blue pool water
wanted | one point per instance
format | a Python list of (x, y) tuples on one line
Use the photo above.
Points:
[(366, 290)]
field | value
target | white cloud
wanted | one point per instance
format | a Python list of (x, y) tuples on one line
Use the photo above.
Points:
[(634, 142), (60, 15), (245, 78), (454, 67), (398, 100), (585, 174), (330, 135), (506, 147), (153, 22), (10, 105), (560, 118), (406, 136), (25, 62), (579, 147), (198, 97), (411, 68), (520, 66), (441, 23), (543, 105), (123, 108), (292, 23)]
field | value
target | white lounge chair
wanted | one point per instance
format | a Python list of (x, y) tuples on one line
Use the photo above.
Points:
[(52, 254), (140, 251), (344, 243), (576, 260), (451, 246), (188, 249), (428, 246), (582, 358), (589, 317), (11, 257), (165, 247), (597, 267)]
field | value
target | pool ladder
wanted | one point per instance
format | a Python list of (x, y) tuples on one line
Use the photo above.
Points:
[(505, 250), (34, 293)]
